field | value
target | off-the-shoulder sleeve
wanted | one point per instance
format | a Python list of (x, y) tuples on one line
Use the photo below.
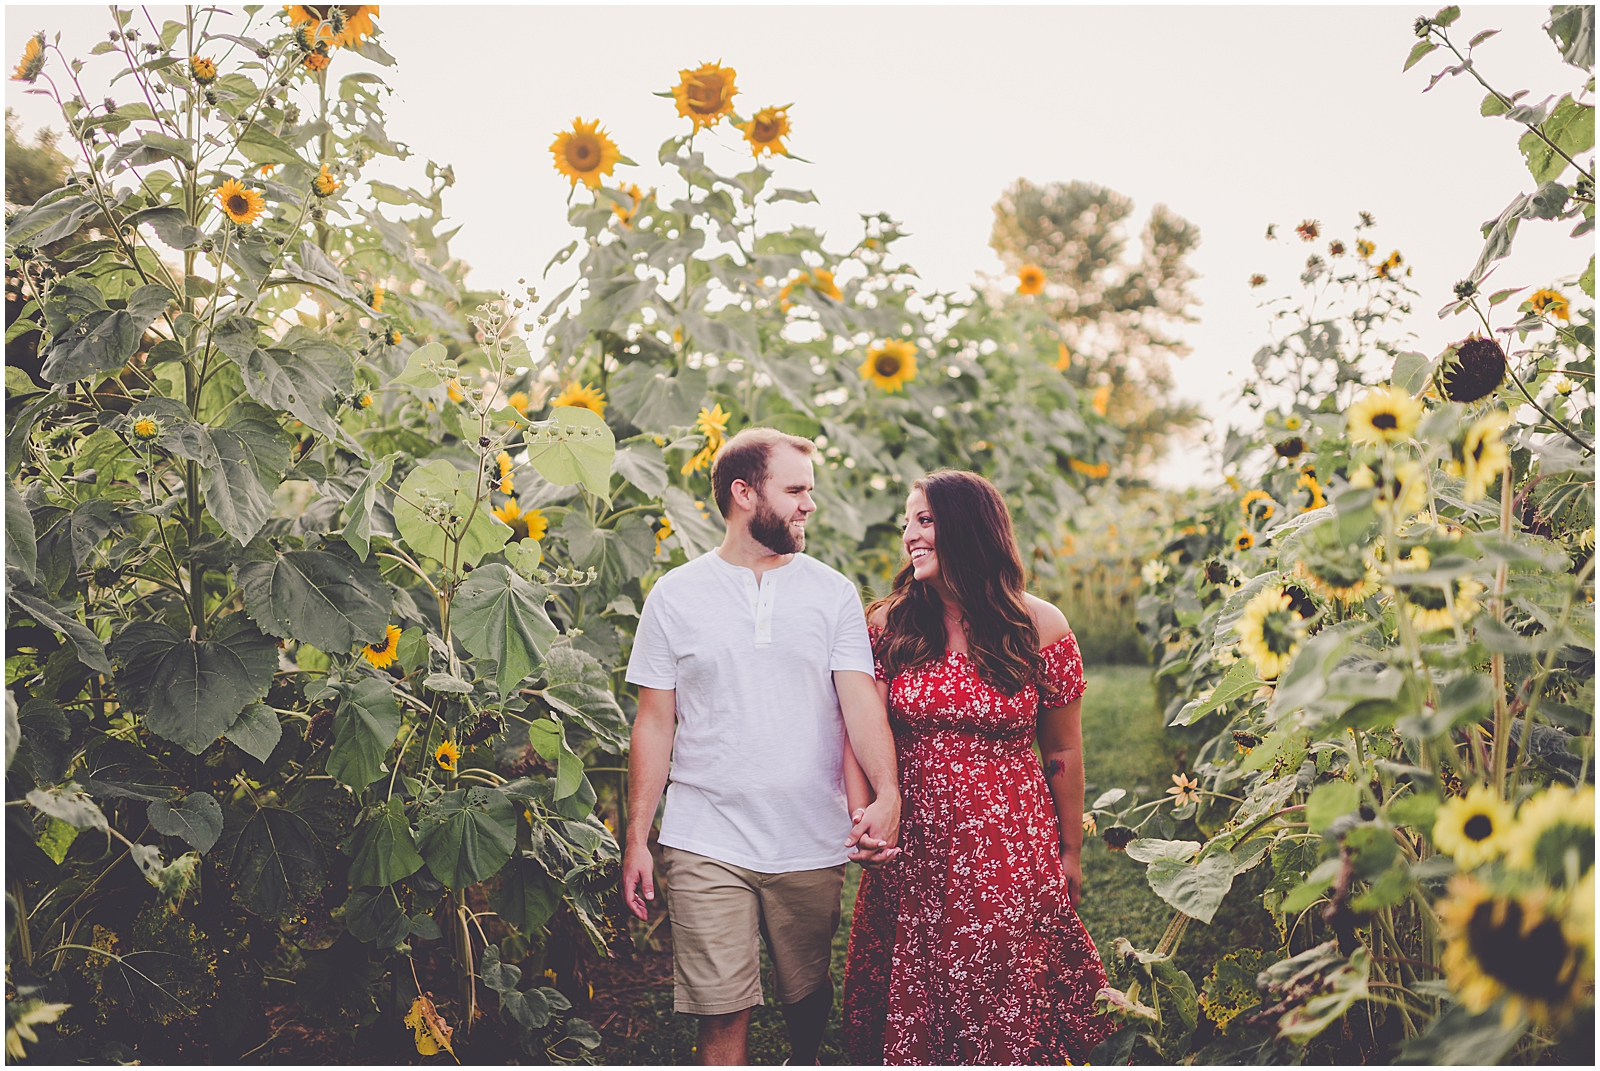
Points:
[(875, 635), (1063, 673)]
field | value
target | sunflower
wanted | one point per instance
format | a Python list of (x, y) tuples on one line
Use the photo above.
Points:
[(701, 460), (585, 153), (382, 655), (324, 184), (1292, 422), (377, 299), (334, 24), (766, 130), (1270, 632), (506, 485), (1030, 279), (1309, 230), (447, 755), (890, 364), (147, 429), (635, 197), (1245, 742), (393, 336), (1549, 827), (203, 70), (452, 387), (1473, 830), (1551, 301), (1101, 400), (1516, 947), (818, 281), (1098, 471), (1429, 610), (705, 94), (1118, 838), (584, 397), (1244, 541), (1384, 415), (240, 204), (316, 61), (663, 530), (32, 61), (1481, 455), (1312, 487), (1336, 248), (1365, 248), (1247, 506), (1183, 790), (1216, 572), (1257, 280), (713, 424), (1474, 370), (519, 401), (1390, 263), (1342, 576), (1290, 448), (1411, 559), (530, 525), (1089, 824), (1063, 358), (364, 400)]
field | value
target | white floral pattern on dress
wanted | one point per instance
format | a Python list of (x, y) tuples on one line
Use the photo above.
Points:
[(966, 950)]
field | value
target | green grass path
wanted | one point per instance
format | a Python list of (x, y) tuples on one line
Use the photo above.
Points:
[(1123, 746)]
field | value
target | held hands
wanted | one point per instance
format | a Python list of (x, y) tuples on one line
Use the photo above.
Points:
[(875, 832), (638, 875)]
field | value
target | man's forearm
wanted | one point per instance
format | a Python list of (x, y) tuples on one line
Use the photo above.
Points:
[(649, 762)]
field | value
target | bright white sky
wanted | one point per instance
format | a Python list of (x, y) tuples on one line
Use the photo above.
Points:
[(1235, 117)]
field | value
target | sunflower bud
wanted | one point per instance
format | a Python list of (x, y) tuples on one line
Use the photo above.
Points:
[(336, 19), (1465, 289), (146, 429), (1422, 26)]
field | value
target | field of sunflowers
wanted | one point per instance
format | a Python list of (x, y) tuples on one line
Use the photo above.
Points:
[(321, 569)]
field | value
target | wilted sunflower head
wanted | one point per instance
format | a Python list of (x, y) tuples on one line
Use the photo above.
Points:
[(1516, 946), (766, 130), (1030, 279), (1216, 572), (1270, 631), (1474, 371), (32, 61), (587, 396), (1336, 248), (1480, 455), (585, 153), (1384, 415), (1257, 280), (1465, 289), (1290, 448), (240, 204), (705, 94), (1549, 301), (1554, 835), (1308, 230), (1118, 838), (890, 364)]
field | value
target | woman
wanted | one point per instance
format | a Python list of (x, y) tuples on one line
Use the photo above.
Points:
[(965, 947)]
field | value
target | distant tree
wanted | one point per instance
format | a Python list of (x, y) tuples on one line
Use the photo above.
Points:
[(1114, 314), (31, 170)]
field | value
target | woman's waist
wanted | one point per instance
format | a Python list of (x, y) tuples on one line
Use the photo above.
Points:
[(932, 741)]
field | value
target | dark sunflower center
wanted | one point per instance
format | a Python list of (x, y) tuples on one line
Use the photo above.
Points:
[(239, 205), (1341, 574), (705, 95), (1478, 827), (378, 648), (887, 365), (1428, 598), (1277, 631), (583, 153), (768, 130), (1533, 964), (1477, 450), (1291, 447), (519, 529), (1385, 421)]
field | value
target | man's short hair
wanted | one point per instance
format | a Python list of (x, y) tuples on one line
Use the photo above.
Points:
[(746, 457)]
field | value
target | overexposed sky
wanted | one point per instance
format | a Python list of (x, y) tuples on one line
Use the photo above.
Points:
[(1235, 117)]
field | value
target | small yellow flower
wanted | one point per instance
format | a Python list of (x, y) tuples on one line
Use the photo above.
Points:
[(530, 525), (1430, 612), (146, 429), (393, 336), (1098, 471), (452, 387), (203, 70), (32, 62), (520, 402), (364, 400), (713, 424), (585, 153), (241, 205), (705, 94), (585, 397), (1481, 456), (635, 199), (1393, 261), (1473, 830), (766, 130), (1264, 512), (447, 755), (1549, 301), (1102, 399), (1365, 248), (1184, 790), (1030, 279), (382, 655), (1270, 632), (1384, 415), (1089, 824), (1244, 541), (1292, 422), (377, 299), (1063, 358), (324, 184), (890, 364)]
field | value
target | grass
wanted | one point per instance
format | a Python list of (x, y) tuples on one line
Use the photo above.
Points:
[(1124, 746)]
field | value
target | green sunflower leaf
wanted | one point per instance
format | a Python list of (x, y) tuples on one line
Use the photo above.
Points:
[(192, 691), (499, 615), (317, 597), (365, 727), (439, 481), (467, 835), (277, 866), (574, 446), (385, 850)]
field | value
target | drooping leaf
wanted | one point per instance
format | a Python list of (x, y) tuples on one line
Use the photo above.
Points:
[(699, 528), (192, 691), (104, 340), (70, 805), (1197, 888), (91, 652), (122, 769), (364, 728), (439, 482), (376, 916), (357, 511), (22, 553), (318, 598), (644, 466), (497, 614), (256, 730), (467, 835), (384, 850), (234, 494), (197, 819), (278, 866), (574, 445), (525, 896)]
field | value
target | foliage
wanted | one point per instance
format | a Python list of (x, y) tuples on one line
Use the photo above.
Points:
[(31, 170), (1378, 640)]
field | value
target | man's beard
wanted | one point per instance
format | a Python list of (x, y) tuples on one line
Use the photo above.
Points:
[(774, 533)]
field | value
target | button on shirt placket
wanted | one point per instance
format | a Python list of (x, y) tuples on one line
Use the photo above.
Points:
[(761, 596)]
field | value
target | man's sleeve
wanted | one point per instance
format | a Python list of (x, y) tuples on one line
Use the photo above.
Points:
[(652, 665), (852, 650)]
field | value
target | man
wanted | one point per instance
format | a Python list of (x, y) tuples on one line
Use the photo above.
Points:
[(753, 664)]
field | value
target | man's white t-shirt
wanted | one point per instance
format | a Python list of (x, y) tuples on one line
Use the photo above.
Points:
[(758, 757)]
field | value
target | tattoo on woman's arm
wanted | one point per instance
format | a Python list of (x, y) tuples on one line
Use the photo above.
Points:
[(1053, 767)]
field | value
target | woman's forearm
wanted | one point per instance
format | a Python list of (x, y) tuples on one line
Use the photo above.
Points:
[(1063, 772)]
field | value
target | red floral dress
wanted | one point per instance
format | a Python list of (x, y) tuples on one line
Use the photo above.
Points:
[(965, 950)]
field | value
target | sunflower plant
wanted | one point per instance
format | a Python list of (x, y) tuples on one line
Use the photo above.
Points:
[(289, 724), (1377, 641)]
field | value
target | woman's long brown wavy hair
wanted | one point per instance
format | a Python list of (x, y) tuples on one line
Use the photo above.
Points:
[(979, 560)]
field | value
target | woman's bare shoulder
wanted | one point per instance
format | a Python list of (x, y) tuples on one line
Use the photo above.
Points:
[(1050, 621)]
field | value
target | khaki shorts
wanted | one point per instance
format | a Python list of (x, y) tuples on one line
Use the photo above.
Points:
[(717, 909)]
